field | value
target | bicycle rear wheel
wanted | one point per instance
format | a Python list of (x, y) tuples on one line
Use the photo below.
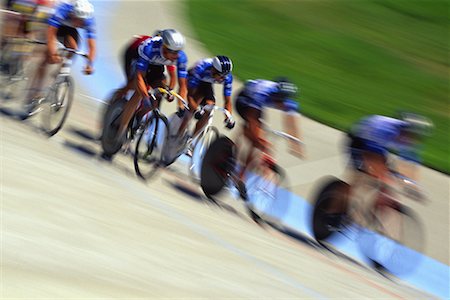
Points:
[(217, 165), (200, 146), (111, 143), (14, 72), (395, 238), (330, 209), (150, 143), (57, 104), (264, 187)]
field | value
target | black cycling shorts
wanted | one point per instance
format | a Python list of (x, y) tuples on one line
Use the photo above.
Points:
[(155, 73), (64, 31), (204, 92), (242, 107)]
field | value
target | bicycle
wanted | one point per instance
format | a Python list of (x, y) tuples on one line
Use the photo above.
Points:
[(388, 232), (265, 182), (200, 141), (111, 142), (58, 99), (152, 139)]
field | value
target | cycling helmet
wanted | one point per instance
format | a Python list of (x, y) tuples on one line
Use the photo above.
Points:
[(172, 39), (83, 9), (285, 88), (222, 64), (417, 124)]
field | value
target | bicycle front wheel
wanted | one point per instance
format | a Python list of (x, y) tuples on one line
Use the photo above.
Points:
[(111, 142), (57, 105), (200, 146), (149, 146), (330, 209), (217, 165)]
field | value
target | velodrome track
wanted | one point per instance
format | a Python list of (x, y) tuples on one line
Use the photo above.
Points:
[(74, 226)]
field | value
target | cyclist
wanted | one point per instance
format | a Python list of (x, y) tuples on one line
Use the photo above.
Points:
[(154, 54), (22, 19), (201, 78), (63, 25), (372, 137), (131, 56), (250, 103)]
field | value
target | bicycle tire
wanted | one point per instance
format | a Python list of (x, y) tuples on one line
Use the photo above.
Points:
[(218, 163), (111, 143), (330, 209), (146, 159), (13, 78), (395, 239), (57, 106), (199, 149)]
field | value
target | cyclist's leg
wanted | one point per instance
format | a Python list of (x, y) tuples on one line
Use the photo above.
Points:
[(251, 117), (71, 40), (208, 99), (153, 77), (129, 60)]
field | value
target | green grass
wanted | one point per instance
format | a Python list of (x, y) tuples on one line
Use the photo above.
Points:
[(350, 58)]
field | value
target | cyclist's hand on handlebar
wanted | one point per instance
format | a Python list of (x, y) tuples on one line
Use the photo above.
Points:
[(297, 150), (199, 114), (54, 58), (169, 96), (180, 112), (414, 192), (88, 69), (229, 123)]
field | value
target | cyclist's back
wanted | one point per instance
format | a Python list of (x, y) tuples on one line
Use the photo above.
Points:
[(258, 94)]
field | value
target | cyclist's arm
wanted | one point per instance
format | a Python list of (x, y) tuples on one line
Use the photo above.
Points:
[(227, 86), (227, 103), (292, 127), (182, 83), (173, 75), (92, 45), (182, 74), (91, 36)]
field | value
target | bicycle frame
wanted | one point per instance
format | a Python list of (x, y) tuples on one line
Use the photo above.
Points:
[(197, 138)]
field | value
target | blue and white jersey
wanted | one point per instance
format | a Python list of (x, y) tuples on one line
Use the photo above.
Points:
[(202, 72), (381, 134), (63, 17), (150, 53), (258, 95)]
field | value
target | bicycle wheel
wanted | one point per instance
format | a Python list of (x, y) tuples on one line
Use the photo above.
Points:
[(218, 163), (263, 189), (175, 144), (57, 104), (394, 239), (150, 143), (13, 77), (330, 209), (200, 146), (111, 143)]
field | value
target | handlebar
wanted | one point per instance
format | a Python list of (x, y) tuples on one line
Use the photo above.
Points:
[(210, 107), (281, 133), (167, 91), (60, 46)]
